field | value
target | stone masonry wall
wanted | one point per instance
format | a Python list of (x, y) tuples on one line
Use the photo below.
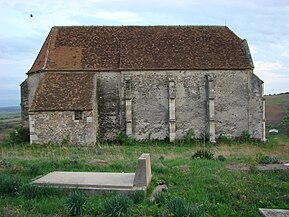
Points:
[(231, 103), (149, 105), (24, 104), (237, 106), (256, 126), (150, 102), (33, 83), (191, 103), (108, 104), (28, 89), (60, 126)]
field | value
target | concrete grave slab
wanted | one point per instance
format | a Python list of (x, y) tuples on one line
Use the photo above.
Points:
[(274, 212), (101, 182), (88, 179)]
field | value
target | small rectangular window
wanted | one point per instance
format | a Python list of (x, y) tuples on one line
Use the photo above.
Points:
[(78, 115)]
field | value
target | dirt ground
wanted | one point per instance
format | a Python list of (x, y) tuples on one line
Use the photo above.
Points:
[(262, 167)]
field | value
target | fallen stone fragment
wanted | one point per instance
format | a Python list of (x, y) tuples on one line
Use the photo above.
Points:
[(161, 187)]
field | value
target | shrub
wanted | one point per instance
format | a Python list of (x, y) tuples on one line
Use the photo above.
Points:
[(117, 206), (75, 203), (252, 164), (5, 163), (203, 154), (9, 184), (177, 207), (124, 139), (221, 158), (99, 139), (224, 139), (269, 160), (205, 136), (245, 136), (20, 134), (137, 197), (262, 159), (189, 137), (66, 140)]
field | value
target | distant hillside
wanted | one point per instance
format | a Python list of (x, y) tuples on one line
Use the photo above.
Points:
[(9, 109), (9, 120), (276, 107)]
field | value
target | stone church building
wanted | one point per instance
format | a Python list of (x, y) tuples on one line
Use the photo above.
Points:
[(150, 82)]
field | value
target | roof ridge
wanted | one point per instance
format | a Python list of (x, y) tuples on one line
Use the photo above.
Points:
[(46, 42), (144, 26), (48, 47)]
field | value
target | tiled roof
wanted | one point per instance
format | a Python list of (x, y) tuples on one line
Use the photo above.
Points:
[(141, 47), (64, 92)]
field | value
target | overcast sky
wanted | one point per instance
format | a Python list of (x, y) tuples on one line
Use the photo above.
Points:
[(264, 23)]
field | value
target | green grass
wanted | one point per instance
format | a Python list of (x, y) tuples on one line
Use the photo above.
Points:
[(281, 99), (276, 107), (9, 115), (205, 183)]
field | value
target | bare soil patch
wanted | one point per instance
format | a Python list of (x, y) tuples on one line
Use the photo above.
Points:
[(262, 167), (184, 168), (98, 162)]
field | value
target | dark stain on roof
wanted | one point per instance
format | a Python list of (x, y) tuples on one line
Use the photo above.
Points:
[(141, 48), (64, 92)]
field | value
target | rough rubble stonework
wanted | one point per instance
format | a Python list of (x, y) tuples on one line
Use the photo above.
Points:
[(224, 98), (59, 127)]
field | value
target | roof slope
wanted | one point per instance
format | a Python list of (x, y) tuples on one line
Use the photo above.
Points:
[(141, 47), (64, 92)]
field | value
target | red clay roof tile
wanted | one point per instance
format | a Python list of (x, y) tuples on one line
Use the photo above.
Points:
[(64, 92), (141, 48)]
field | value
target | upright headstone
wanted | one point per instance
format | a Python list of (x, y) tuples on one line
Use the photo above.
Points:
[(143, 171)]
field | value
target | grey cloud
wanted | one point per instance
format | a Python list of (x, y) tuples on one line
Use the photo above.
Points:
[(264, 23)]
